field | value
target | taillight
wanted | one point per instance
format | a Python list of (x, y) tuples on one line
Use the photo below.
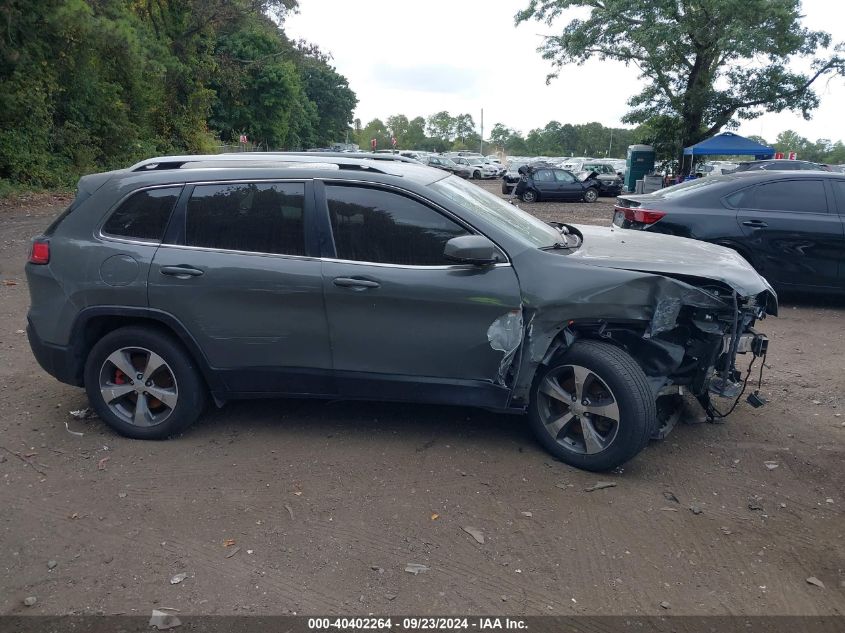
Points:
[(641, 216), (40, 252)]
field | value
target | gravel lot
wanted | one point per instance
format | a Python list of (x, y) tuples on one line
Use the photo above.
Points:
[(327, 502)]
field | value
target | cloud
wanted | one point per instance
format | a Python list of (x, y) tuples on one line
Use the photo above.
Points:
[(428, 78)]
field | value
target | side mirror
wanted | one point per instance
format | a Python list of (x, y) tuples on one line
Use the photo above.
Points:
[(472, 249)]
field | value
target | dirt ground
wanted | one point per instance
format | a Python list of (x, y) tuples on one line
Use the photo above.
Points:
[(327, 502)]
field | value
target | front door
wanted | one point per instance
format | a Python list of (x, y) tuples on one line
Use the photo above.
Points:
[(239, 278), (794, 232), (569, 188), (405, 322)]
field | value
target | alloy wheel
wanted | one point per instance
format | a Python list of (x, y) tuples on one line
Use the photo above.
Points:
[(138, 386), (578, 409)]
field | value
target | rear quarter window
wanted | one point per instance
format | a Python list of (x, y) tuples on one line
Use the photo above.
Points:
[(143, 215)]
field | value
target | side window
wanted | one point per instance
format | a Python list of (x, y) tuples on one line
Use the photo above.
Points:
[(564, 176), (544, 175), (839, 190), (255, 217), (143, 215), (372, 225), (740, 199), (806, 196)]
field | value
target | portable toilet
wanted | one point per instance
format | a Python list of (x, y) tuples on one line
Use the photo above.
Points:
[(640, 161)]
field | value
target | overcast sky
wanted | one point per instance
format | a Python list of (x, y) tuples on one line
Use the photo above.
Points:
[(418, 57)]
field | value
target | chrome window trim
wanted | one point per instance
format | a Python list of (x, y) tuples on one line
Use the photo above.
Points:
[(328, 259), (98, 233), (425, 202)]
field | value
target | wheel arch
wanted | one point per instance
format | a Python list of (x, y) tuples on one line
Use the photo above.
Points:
[(95, 322)]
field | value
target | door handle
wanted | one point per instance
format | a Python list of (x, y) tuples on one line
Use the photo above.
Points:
[(757, 224), (355, 283), (182, 272)]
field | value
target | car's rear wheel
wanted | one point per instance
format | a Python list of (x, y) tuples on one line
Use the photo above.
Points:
[(476, 175), (592, 406), (143, 384), (591, 195), (529, 195)]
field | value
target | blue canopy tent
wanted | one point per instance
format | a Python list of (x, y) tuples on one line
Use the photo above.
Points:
[(729, 144)]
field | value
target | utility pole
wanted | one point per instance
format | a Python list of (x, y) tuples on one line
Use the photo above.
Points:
[(481, 149), (611, 143)]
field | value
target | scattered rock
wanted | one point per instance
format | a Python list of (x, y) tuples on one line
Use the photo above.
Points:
[(665, 605), (828, 500), (601, 485), (475, 533), (695, 509), (162, 620), (755, 503), (391, 596), (30, 601), (771, 465), (51, 564), (667, 509), (122, 495), (812, 580), (232, 552), (178, 578), (527, 514), (817, 401), (670, 496), (84, 414), (415, 568), (377, 568), (289, 509), (726, 531)]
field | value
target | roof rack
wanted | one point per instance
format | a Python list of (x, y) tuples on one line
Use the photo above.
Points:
[(270, 160)]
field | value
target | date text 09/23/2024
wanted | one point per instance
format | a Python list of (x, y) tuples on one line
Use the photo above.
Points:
[(411, 623)]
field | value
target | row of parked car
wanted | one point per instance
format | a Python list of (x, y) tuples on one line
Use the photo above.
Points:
[(719, 167)]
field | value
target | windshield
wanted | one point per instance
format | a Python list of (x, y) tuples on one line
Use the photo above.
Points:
[(447, 161), (505, 216)]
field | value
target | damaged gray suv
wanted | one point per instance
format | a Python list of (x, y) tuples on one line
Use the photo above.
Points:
[(187, 279)]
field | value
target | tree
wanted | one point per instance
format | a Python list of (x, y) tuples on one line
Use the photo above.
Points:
[(704, 62), (441, 126)]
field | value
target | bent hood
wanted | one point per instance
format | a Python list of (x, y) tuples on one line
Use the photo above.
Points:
[(666, 254)]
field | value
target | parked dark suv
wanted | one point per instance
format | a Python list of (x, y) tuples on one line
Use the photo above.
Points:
[(269, 275)]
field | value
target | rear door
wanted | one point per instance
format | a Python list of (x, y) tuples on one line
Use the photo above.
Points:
[(405, 322), (235, 271), (545, 183), (794, 231)]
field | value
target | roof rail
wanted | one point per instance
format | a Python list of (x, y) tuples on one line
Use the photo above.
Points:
[(266, 160), (356, 155)]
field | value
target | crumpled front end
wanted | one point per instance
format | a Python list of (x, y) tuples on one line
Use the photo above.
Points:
[(687, 333)]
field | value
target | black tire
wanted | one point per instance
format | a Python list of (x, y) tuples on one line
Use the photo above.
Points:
[(186, 381), (529, 196), (628, 389), (591, 195), (476, 175)]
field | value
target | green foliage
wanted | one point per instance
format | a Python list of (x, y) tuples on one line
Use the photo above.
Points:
[(822, 151), (446, 133), (703, 64), (87, 85)]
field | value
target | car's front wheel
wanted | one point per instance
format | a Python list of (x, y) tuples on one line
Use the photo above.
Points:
[(591, 195), (143, 384), (476, 175), (592, 406), (529, 195)]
